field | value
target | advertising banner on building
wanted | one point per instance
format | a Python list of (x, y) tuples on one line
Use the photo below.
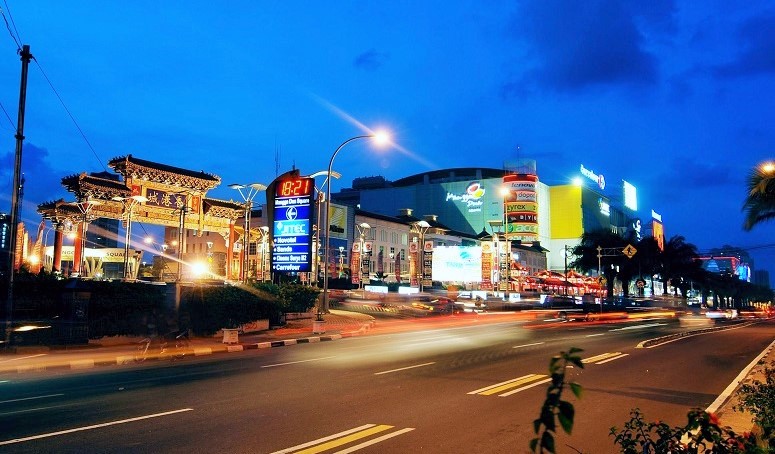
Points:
[(520, 206), (487, 257), (503, 265), (413, 255), (427, 263), (355, 264)]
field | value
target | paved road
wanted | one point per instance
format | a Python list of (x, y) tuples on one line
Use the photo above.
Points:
[(459, 389)]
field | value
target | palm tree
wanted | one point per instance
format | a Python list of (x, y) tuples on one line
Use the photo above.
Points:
[(759, 204), (678, 258), (586, 254)]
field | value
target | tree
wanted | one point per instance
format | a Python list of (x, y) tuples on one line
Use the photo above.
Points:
[(677, 259), (586, 254), (759, 205)]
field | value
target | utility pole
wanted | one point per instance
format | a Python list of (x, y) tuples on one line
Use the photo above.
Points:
[(26, 56)]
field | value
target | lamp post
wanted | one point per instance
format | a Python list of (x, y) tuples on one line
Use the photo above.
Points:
[(85, 207), (420, 227), (495, 225), (318, 201), (210, 259), (163, 264), (381, 138), (264, 230), (363, 227), (341, 261), (129, 204), (251, 190)]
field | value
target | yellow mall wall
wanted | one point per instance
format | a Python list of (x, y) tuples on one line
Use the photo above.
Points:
[(565, 211)]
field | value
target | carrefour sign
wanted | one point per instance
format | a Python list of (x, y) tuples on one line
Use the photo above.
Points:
[(599, 179)]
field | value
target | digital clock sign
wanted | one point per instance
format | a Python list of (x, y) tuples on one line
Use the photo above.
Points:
[(292, 225), (296, 187)]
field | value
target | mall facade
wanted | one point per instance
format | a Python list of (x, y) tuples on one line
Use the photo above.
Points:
[(513, 200)]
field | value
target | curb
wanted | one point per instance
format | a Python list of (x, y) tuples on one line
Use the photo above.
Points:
[(657, 341), (124, 359)]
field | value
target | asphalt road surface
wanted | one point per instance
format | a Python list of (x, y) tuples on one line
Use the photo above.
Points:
[(465, 389)]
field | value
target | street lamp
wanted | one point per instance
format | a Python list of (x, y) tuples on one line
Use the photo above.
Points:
[(318, 202), (251, 190), (129, 204), (420, 227), (495, 225), (210, 259), (380, 138), (363, 227), (264, 230), (85, 207)]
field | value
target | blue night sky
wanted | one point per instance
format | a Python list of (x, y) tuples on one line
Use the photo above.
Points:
[(676, 97)]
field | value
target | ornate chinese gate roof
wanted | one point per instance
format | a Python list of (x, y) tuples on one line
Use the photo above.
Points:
[(139, 169), (169, 195)]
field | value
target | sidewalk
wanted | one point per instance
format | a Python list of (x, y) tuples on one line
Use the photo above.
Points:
[(123, 350)]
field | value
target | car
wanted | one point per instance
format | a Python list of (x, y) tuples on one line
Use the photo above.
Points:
[(721, 314)]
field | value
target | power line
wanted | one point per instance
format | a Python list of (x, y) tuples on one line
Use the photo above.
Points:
[(7, 116), (12, 23), (8, 26), (94, 152)]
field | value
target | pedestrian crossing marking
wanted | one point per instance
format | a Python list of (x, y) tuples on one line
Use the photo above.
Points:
[(509, 384), (346, 437), (604, 358)]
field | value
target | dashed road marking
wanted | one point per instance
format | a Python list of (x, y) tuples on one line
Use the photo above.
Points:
[(604, 358), (346, 437), (530, 380)]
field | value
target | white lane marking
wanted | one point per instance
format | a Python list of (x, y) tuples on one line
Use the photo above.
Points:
[(728, 391), (324, 439), (30, 398), (595, 335), (501, 383), (648, 325), (601, 357), (30, 410), (540, 382), (297, 362), (527, 345), (404, 368), (642, 344), (374, 441), (614, 358), (95, 426), (23, 357)]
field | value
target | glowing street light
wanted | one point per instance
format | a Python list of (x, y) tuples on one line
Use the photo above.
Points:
[(129, 204), (362, 229), (380, 138), (420, 227), (251, 190)]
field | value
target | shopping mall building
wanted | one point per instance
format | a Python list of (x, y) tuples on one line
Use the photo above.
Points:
[(514, 200)]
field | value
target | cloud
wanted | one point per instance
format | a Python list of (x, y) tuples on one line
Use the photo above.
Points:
[(370, 60), (42, 183), (574, 46), (757, 43)]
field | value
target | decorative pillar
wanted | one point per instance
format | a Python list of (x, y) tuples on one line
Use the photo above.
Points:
[(77, 250), (58, 240)]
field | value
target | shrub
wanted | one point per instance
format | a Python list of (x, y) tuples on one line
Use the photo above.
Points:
[(758, 398), (208, 309)]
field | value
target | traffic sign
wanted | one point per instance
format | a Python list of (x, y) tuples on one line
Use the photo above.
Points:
[(629, 251)]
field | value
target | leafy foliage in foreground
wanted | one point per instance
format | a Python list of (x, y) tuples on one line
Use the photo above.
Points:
[(702, 434), (555, 409)]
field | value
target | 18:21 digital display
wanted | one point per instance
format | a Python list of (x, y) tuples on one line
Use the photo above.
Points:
[(295, 187)]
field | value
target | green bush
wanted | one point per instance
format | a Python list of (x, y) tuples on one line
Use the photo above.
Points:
[(208, 309), (758, 398), (297, 298)]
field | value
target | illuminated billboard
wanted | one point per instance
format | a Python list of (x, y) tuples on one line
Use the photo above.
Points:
[(291, 224), (630, 196), (457, 264), (520, 205)]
